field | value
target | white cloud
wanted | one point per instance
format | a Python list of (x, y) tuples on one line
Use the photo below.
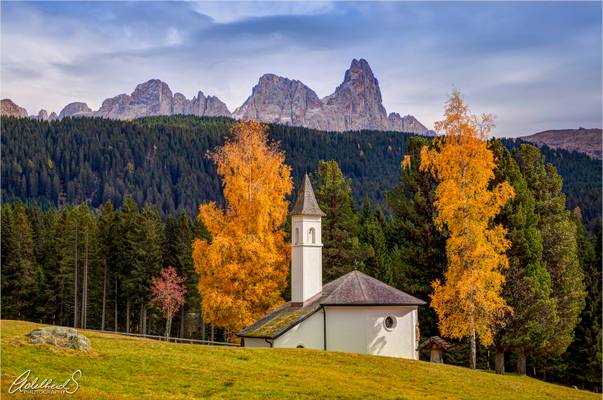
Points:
[(231, 11)]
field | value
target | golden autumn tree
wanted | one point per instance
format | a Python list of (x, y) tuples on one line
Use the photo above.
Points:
[(469, 302), (243, 269)]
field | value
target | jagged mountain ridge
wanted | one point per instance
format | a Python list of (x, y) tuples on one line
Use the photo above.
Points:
[(356, 104)]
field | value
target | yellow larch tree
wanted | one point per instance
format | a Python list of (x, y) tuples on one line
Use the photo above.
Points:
[(243, 269), (469, 302)]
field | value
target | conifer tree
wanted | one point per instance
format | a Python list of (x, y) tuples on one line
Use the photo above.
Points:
[(583, 356), (527, 287), (560, 248), (19, 271), (376, 259), (418, 247), (341, 251), (108, 226)]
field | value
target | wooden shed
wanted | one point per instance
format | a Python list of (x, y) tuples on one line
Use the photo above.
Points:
[(437, 346)]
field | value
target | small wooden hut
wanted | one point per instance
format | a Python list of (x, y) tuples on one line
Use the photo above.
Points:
[(438, 346)]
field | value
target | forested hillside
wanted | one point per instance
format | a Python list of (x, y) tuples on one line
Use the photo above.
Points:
[(162, 161)]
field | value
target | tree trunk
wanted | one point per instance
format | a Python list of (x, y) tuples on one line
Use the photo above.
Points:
[(182, 314), (521, 361), (202, 325), (128, 316), (212, 333), (144, 320), (75, 306), (499, 361), (104, 298), (473, 355), (84, 315), (115, 312), (168, 327), (140, 331)]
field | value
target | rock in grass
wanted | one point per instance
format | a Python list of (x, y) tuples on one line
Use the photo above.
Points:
[(66, 338)]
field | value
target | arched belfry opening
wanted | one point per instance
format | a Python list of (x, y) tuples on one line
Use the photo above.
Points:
[(312, 235)]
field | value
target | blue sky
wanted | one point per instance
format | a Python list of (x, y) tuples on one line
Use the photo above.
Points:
[(536, 66)]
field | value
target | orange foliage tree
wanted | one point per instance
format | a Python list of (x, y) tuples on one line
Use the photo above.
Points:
[(469, 303), (243, 269)]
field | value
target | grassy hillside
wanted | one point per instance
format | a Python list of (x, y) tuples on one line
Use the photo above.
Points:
[(129, 368)]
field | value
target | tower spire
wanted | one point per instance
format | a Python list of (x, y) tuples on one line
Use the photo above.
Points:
[(306, 203)]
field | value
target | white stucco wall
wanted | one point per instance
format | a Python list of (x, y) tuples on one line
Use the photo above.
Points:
[(355, 330), (253, 342), (308, 333), (361, 330)]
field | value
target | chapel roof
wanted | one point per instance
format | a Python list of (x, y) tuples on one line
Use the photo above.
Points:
[(306, 203), (351, 289)]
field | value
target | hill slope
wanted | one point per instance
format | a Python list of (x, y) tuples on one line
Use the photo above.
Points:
[(586, 141), (128, 368), (161, 160)]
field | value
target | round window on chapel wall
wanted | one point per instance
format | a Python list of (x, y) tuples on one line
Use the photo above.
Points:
[(389, 323)]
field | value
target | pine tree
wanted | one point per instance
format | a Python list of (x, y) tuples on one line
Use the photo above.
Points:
[(418, 247), (560, 248), (527, 288), (178, 253), (583, 356), (19, 270), (376, 259), (341, 247), (108, 249), (150, 260), (130, 257)]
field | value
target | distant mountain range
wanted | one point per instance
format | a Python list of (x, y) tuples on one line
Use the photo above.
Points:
[(356, 104), (587, 141)]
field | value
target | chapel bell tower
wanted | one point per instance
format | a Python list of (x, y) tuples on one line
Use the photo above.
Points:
[(306, 246)]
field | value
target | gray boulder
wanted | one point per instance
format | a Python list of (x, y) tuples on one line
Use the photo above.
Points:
[(66, 338)]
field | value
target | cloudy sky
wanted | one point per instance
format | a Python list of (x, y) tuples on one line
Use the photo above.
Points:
[(534, 65)]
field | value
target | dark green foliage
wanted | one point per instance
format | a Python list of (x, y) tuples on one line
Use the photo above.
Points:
[(418, 248), (583, 359), (20, 270), (560, 252), (582, 179), (376, 257), (341, 247), (528, 284), (62, 266)]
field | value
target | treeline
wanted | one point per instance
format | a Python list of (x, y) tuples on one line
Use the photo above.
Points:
[(161, 161), (92, 268)]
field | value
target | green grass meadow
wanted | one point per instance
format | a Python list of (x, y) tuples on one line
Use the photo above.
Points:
[(120, 367)]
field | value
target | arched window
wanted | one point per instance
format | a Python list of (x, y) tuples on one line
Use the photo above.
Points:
[(312, 235), (296, 235)]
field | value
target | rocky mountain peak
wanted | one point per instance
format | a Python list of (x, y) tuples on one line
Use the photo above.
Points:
[(154, 97), (75, 109), (9, 109), (279, 100), (356, 104), (42, 115)]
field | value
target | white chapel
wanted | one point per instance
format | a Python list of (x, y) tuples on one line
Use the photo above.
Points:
[(354, 313)]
